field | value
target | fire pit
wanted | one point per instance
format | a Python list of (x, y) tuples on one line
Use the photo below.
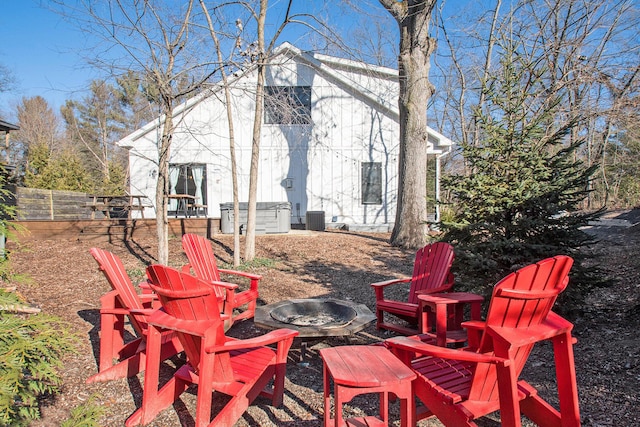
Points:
[(315, 318)]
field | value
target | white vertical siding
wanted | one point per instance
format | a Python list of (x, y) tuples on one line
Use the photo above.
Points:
[(323, 160)]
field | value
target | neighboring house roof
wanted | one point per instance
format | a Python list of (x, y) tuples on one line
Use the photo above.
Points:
[(6, 126), (329, 67)]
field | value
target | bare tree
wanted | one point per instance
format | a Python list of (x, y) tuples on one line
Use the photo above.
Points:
[(261, 56), (7, 79), (162, 43), (39, 126), (250, 243), (586, 49), (416, 46), (232, 144)]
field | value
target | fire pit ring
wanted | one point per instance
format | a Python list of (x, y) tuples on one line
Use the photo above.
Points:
[(317, 313), (315, 318)]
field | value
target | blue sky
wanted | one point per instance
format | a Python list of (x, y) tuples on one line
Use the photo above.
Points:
[(45, 53), (48, 55), (41, 51)]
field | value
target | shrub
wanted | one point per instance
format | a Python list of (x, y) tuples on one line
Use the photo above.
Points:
[(85, 415), (31, 351)]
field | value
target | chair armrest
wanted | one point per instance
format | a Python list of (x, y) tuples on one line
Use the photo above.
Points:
[(379, 287), (226, 285), (142, 311), (110, 300), (390, 282), (241, 273), (229, 290), (415, 346), (551, 327), (114, 310), (255, 278), (261, 341)]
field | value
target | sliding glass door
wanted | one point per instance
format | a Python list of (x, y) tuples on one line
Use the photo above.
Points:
[(188, 178)]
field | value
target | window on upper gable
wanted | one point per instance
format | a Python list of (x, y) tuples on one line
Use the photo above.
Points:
[(372, 183), (287, 105)]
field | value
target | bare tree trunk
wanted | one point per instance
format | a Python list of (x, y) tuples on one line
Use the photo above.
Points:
[(250, 242), (162, 188), (232, 144), (416, 46)]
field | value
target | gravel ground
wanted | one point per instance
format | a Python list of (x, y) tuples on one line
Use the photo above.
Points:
[(65, 281)]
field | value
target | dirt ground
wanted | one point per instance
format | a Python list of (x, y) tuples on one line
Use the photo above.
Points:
[(65, 281)]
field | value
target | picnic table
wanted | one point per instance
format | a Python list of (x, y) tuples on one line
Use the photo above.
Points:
[(110, 204), (186, 204)]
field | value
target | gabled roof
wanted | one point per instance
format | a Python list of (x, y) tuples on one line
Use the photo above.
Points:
[(6, 126), (329, 67)]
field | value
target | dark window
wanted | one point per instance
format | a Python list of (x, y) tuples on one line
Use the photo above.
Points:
[(287, 105), (372, 183), (188, 179)]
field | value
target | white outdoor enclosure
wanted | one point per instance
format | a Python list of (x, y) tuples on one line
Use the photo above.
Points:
[(329, 141)]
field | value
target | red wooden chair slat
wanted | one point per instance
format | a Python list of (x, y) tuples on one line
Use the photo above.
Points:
[(121, 302), (460, 385), (241, 369), (203, 262), (431, 274)]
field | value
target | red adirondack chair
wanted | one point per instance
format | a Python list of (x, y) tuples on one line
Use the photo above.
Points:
[(241, 369), (430, 275), (203, 262), (121, 302), (460, 385)]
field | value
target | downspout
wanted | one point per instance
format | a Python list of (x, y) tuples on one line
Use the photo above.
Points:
[(438, 175)]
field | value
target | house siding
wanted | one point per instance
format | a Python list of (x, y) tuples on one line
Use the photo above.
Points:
[(322, 160)]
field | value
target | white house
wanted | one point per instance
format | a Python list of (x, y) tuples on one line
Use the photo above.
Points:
[(329, 141)]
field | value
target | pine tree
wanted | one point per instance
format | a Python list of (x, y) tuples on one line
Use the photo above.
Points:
[(519, 200)]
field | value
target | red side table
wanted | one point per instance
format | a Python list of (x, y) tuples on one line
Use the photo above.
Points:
[(366, 369), (442, 304)]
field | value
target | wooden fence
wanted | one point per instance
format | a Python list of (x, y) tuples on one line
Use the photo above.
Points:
[(66, 215), (112, 230), (52, 205)]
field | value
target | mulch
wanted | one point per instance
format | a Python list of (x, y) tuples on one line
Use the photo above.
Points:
[(65, 281)]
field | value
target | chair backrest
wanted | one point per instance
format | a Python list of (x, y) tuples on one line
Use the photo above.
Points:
[(521, 300), (113, 269), (186, 297), (202, 259), (115, 273), (430, 268)]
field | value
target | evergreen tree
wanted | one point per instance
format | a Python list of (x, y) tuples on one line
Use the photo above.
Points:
[(94, 124), (138, 99), (519, 200), (63, 171)]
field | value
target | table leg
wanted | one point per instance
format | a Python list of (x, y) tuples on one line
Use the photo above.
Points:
[(337, 405), (384, 407), (441, 325), (407, 407), (424, 326), (475, 310), (327, 396)]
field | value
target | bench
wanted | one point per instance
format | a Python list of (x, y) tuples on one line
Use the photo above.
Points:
[(122, 204), (196, 208)]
